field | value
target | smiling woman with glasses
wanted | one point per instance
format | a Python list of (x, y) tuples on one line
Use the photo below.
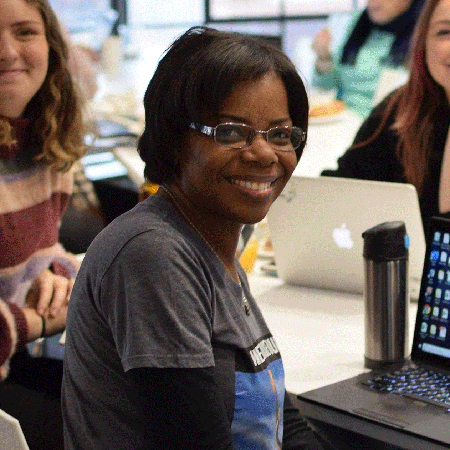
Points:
[(166, 347)]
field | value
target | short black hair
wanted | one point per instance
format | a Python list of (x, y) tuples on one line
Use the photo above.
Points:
[(192, 81)]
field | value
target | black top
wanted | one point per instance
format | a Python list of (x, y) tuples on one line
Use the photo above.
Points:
[(378, 161)]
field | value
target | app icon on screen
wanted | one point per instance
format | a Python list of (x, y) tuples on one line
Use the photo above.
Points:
[(442, 332), (427, 309), (434, 256), (444, 257), (435, 311), (424, 327), (433, 329), (437, 236), (446, 239), (444, 314)]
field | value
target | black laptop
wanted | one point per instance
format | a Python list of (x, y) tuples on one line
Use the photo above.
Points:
[(407, 405)]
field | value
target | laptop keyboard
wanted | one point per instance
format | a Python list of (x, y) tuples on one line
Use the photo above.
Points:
[(417, 383)]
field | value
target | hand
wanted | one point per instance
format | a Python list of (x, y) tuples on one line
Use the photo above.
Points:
[(49, 293), (321, 44)]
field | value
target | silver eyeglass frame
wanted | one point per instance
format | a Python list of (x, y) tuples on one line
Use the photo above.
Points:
[(211, 132)]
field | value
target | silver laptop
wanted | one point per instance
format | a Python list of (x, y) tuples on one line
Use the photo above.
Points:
[(11, 434), (316, 228)]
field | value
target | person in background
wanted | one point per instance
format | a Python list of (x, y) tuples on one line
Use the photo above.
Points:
[(82, 61), (375, 39), (41, 131), (405, 138), (166, 347), (88, 23)]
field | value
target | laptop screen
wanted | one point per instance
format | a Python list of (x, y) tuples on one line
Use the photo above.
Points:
[(432, 329), (317, 221)]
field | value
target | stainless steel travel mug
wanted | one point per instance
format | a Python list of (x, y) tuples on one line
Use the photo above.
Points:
[(386, 294)]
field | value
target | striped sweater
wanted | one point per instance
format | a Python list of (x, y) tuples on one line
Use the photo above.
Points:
[(32, 199)]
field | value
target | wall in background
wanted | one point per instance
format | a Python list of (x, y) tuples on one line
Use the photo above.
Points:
[(152, 26), (162, 12), (294, 21)]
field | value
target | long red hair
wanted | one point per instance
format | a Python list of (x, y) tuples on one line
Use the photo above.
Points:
[(416, 105)]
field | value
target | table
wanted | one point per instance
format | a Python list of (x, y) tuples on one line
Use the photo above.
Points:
[(320, 333)]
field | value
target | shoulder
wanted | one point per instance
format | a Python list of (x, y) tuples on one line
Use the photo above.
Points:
[(150, 233), (372, 155), (145, 217)]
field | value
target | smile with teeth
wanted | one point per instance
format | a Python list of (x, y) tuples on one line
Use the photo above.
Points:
[(252, 185)]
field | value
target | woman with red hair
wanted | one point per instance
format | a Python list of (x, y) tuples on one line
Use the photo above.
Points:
[(405, 138)]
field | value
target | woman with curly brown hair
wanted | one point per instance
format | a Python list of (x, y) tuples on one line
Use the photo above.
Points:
[(40, 138)]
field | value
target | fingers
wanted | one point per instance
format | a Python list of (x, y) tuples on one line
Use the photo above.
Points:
[(62, 287), (43, 288), (56, 323), (50, 293), (321, 43)]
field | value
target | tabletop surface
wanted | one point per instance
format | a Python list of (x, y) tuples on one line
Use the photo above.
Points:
[(320, 333)]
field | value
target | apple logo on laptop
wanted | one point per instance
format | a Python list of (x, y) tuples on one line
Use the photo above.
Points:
[(342, 237)]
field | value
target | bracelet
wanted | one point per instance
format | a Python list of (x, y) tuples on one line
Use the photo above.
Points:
[(43, 327)]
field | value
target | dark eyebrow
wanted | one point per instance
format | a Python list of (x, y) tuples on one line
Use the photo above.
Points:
[(243, 120), (440, 22), (28, 22)]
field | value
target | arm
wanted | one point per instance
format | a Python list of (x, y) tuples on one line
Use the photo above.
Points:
[(46, 305), (13, 334), (18, 326), (326, 72), (297, 434), (181, 408), (321, 46)]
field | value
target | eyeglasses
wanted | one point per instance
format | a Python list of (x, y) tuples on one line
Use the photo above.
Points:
[(239, 135)]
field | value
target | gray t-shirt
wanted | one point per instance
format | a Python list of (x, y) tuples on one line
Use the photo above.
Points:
[(151, 293)]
